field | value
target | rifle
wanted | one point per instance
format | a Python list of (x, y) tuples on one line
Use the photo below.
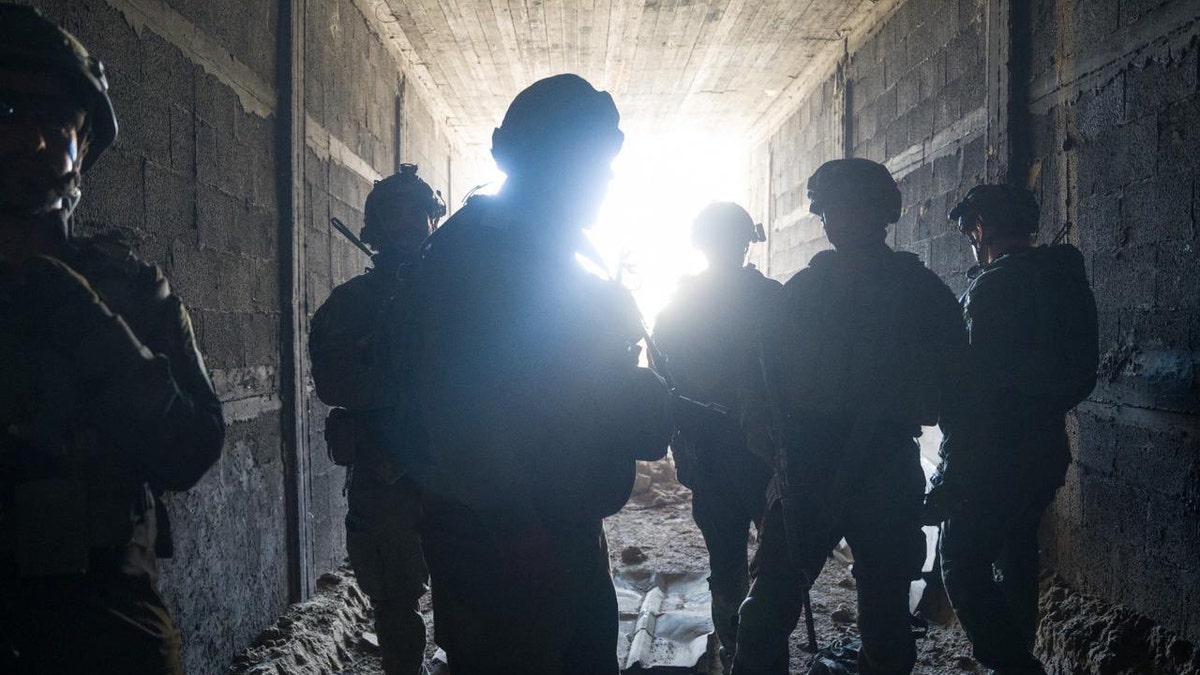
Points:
[(783, 489), (345, 231), (655, 356)]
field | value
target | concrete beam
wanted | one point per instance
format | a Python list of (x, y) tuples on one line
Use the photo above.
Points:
[(256, 95), (292, 136)]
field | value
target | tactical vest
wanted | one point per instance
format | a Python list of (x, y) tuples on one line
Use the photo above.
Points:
[(64, 492), (865, 331)]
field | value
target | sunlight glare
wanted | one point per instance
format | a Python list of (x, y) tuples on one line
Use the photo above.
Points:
[(659, 185)]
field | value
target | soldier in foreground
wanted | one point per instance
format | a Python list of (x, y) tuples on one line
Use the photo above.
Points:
[(104, 400), (375, 431), (707, 334), (858, 354), (535, 406), (1033, 355)]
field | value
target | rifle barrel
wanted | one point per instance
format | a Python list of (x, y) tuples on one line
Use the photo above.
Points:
[(341, 227)]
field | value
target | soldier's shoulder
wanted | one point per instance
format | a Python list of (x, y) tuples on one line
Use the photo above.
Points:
[(110, 264), (760, 280), (468, 232)]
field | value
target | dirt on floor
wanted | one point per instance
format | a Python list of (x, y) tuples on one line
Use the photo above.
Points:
[(332, 633)]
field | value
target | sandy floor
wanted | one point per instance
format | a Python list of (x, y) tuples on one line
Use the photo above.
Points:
[(658, 522)]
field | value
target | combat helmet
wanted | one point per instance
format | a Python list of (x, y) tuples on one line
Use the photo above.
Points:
[(401, 187), (725, 223), (562, 115), (1010, 209), (31, 42), (855, 181)]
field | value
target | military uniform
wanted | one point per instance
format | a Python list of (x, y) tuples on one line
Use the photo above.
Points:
[(536, 411), (1033, 356), (100, 425), (708, 333), (859, 353), (356, 346)]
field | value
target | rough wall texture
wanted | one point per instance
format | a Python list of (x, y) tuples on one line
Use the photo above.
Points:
[(1115, 112), (1113, 109), (192, 185)]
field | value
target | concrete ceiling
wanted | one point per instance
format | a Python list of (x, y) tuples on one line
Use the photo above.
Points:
[(705, 64)]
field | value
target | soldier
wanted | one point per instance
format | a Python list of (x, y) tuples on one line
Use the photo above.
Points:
[(104, 399), (1033, 354), (707, 334), (535, 405), (358, 365), (859, 354)]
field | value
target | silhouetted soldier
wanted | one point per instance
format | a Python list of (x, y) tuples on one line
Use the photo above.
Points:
[(357, 346), (859, 355), (708, 334), (535, 406), (1033, 355), (104, 399)]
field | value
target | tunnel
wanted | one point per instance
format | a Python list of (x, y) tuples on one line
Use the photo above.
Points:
[(246, 125)]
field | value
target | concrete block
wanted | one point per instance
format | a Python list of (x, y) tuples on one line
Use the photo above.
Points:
[(950, 254), (217, 217), (964, 54), (1178, 282), (1159, 209), (1098, 222), (1092, 22), (1118, 157), (1157, 461), (1115, 509), (1096, 450), (932, 74), (970, 12), (1179, 136), (1096, 112), (1161, 329), (107, 36), (1174, 532), (1157, 84), (908, 92), (114, 192), (171, 203), (1121, 280), (920, 121)]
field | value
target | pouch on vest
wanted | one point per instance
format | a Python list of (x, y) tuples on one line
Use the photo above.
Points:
[(341, 437), (52, 527)]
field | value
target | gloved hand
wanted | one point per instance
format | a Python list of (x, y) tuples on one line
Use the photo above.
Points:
[(941, 502)]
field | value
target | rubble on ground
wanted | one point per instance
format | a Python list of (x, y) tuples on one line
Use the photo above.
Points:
[(1081, 635), (317, 637)]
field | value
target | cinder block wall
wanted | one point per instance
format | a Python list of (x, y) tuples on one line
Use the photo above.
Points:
[(1115, 113), (1112, 111), (193, 185)]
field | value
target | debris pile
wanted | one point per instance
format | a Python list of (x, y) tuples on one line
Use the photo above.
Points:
[(316, 637), (656, 485), (1080, 635)]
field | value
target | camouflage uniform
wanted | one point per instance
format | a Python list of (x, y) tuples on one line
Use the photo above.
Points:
[(708, 334), (353, 367), (536, 411), (860, 352), (122, 438), (1013, 456)]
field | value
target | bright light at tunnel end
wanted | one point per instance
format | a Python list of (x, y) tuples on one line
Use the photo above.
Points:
[(660, 182)]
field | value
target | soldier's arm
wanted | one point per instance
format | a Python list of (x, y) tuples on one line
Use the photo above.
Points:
[(144, 384), (178, 444)]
